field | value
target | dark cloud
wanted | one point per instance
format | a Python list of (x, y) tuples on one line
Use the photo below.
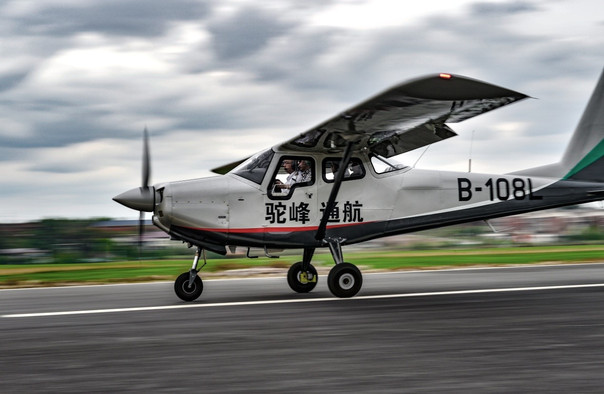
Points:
[(112, 17), (10, 80), (60, 168), (245, 32), (62, 133), (294, 60), (503, 8), (10, 154)]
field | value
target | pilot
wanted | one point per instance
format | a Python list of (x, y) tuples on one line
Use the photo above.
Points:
[(292, 177)]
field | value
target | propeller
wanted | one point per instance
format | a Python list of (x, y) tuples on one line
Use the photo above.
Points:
[(142, 198), (145, 186)]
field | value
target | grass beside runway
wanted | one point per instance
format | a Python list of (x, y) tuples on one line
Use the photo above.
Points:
[(150, 270)]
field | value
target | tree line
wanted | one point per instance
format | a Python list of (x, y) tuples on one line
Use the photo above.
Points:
[(75, 240)]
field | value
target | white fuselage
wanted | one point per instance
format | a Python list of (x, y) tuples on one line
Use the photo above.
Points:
[(233, 210)]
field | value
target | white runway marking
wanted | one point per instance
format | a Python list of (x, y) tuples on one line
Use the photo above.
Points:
[(296, 301)]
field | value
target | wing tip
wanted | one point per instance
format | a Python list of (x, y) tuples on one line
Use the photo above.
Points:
[(448, 86)]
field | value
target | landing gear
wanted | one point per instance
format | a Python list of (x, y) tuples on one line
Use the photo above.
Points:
[(184, 290), (344, 280), (189, 286), (302, 280), (302, 277)]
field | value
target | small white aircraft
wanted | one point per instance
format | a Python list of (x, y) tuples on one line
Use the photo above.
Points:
[(337, 183)]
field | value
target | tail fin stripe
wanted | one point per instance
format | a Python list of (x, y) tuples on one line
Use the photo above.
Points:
[(594, 155)]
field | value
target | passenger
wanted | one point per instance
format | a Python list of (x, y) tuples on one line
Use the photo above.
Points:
[(356, 170), (304, 172)]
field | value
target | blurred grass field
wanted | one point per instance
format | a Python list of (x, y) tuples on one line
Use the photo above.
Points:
[(34, 275)]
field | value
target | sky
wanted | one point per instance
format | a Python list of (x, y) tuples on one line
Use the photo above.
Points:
[(216, 81)]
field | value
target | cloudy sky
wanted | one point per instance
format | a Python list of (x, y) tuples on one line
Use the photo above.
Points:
[(215, 81)]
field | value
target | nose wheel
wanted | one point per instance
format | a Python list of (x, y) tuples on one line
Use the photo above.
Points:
[(185, 290), (188, 286)]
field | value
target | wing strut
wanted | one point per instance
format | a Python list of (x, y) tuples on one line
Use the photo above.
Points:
[(334, 191)]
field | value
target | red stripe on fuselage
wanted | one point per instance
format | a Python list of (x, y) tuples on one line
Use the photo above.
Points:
[(271, 229)]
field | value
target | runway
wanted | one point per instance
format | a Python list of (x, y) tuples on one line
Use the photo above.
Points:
[(528, 329)]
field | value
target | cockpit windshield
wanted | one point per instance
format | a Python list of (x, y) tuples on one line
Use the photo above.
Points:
[(382, 165), (255, 167)]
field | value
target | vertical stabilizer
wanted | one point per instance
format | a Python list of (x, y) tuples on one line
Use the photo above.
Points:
[(584, 156)]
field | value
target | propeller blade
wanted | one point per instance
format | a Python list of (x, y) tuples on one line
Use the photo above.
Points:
[(146, 160), (141, 231)]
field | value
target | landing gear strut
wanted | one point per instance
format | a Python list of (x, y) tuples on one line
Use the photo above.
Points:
[(189, 286)]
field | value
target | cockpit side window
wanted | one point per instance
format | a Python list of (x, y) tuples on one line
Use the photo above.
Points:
[(293, 172), (254, 168), (382, 165), (355, 169)]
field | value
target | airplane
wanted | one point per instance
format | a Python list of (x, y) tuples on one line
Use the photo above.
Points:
[(339, 183)]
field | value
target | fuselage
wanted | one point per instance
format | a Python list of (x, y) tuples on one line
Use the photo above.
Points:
[(374, 200)]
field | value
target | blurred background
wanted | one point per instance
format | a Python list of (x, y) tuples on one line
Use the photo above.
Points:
[(104, 240)]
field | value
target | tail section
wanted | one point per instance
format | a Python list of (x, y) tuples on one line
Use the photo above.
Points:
[(584, 156)]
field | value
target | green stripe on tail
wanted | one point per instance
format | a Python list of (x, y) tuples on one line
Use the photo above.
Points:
[(596, 153)]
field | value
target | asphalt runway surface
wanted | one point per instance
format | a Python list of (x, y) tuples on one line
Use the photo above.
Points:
[(530, 329)]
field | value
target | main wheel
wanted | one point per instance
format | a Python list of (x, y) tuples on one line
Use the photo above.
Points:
[(302, 281), (186, 292), (344, 280)]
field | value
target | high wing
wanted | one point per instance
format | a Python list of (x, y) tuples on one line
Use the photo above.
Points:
[(407, 116), (403, 118)]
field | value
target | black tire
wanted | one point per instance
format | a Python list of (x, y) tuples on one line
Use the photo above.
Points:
[(294, 278), (182, 289), (344, 280)]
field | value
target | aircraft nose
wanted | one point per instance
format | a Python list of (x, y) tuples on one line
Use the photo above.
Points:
[(139, 199)]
